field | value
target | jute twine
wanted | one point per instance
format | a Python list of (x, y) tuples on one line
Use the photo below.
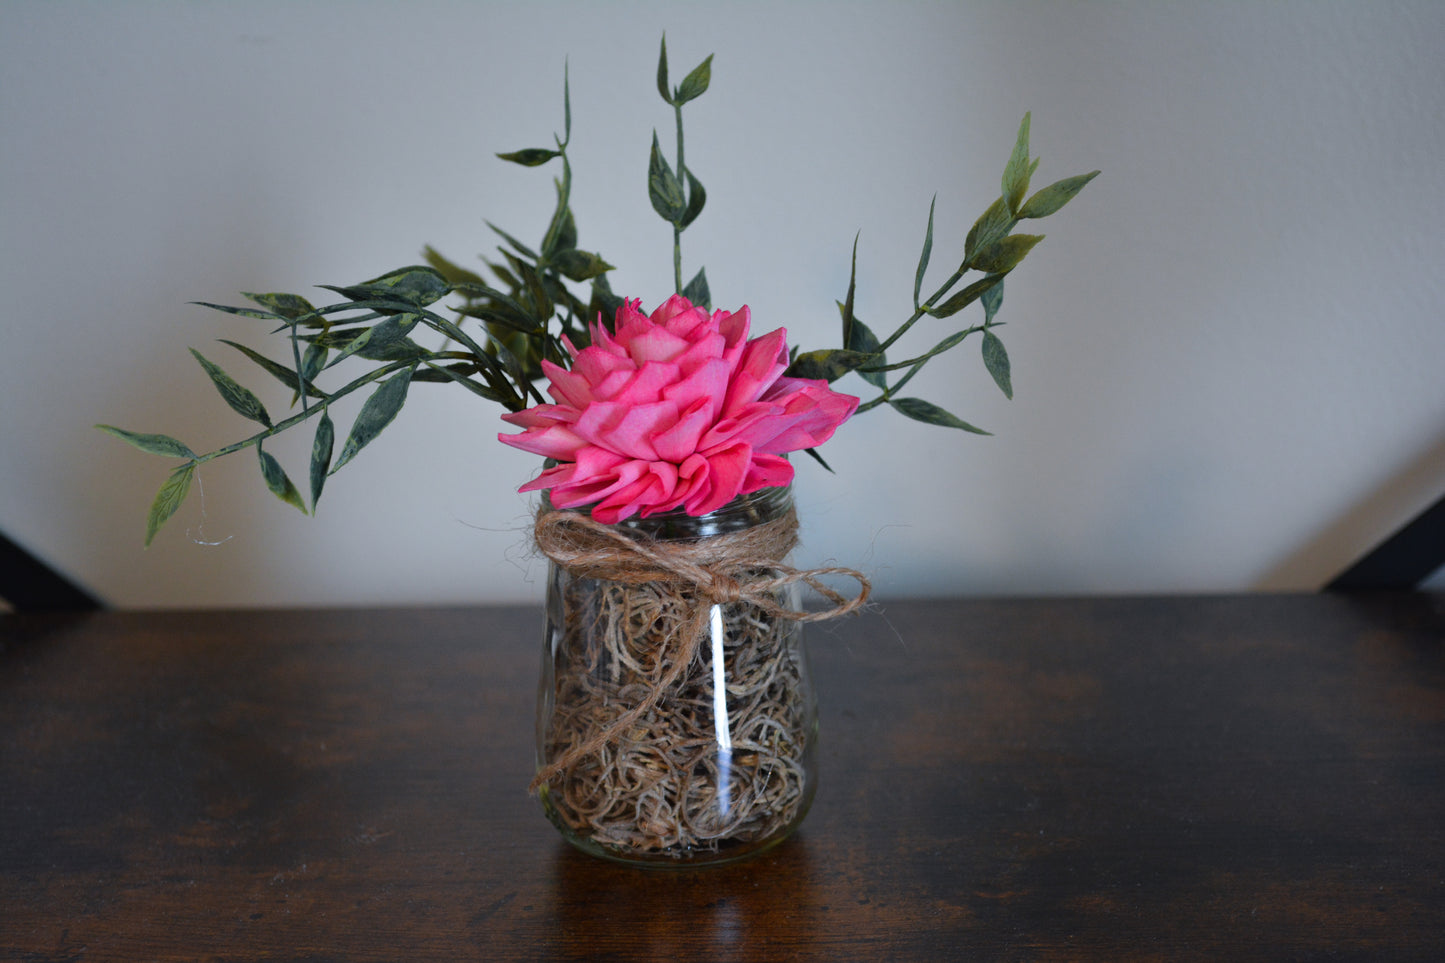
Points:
[(741, 566)]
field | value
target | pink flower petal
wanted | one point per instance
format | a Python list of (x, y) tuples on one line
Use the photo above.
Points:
[(767, 471), (655, 344), (733, 327), (644, 386), (566, 387), (709, 382), (628, 430), (653, 488), (541, 416), (676, 443), (594, 364), (679, 316), (557, 442), (707, 349), (722, 481), (754, 421), (762, 362), (812, 412), (585, 487), (678, 409)]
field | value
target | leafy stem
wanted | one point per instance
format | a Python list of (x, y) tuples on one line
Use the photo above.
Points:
[(296, 419), (494, 346), (678, 198), (990, 249), (677, 225)]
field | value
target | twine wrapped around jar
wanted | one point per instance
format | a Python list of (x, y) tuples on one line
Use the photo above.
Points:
[(629, 757)]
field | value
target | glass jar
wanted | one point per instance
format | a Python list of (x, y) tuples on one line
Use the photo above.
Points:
[(679, 730)]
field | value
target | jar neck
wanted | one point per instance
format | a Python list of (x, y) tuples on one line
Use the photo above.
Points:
[(744, 512)]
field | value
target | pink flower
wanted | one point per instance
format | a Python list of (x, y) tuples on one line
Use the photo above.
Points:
[(676, 410)]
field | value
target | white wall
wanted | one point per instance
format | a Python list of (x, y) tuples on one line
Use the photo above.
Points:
[(1227, 355)]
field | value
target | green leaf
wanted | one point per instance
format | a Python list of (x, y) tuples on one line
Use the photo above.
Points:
[(848, 299), (1003, 255), (151, 444), (490, 313), (1055, 196), (566, 102), (521, 248), (168, 499), (277, 481), (995, 359), (864, 341), (566, 232), (948, 343), (829, 364), (499, 304), (531, 156), (579, 265), (418, 286), (278, 371), (929, 413), (512, 364), (696, 198), (292, 307), (241, 400), (441, 374), (384, 341), (541, 301), (606, 303), (992, 300), (454, 273), (663, 188), (927, 253), (1016, 172), (966, 297), (813, 452), (312, 362), (378, 411), (242, 312), (694, 85), (561, 217), (992, 225), (662, 87), (321, 455), (697, 291)]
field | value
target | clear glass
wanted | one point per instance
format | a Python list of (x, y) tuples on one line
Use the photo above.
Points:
[(723, 765)]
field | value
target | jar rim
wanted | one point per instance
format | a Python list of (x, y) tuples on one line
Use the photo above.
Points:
[(743, 512)]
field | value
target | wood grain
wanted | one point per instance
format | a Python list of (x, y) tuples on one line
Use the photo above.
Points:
[(1250, 777)]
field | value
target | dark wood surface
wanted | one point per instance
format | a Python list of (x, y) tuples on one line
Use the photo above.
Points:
[(1253, 777)]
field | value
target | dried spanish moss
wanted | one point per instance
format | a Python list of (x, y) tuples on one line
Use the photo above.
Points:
[(665, 785)]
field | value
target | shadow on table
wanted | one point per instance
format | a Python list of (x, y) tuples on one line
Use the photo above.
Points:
[(745, 911)]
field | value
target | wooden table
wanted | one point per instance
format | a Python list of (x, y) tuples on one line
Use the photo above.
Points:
[(1213, 778)]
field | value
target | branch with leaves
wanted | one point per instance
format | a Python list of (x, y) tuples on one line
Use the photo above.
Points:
[(991, 250), (492, 344), (495, 335), (664, 188)]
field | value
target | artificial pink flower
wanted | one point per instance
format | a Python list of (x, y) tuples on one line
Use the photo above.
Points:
[(676, 410)]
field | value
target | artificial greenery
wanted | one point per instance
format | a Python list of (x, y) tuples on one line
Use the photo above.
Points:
[(494, 336)]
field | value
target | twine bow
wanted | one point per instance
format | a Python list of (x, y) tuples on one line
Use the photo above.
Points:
[(739, 566)]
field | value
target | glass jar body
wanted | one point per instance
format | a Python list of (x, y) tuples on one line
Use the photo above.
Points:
[(720, 762)]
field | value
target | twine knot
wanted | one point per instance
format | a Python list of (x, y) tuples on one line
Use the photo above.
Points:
[(725, 589)]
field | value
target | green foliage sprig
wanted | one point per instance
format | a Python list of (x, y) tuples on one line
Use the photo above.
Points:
[(498, 333), (991, 250)]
